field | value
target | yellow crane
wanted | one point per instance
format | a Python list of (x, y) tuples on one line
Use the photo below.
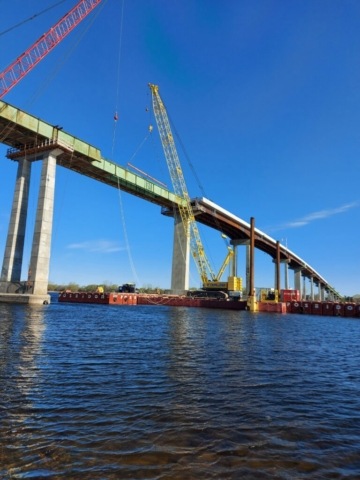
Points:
[(210, 280)]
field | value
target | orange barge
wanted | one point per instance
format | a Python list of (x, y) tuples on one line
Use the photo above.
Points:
[(301, 307), (149, 299)]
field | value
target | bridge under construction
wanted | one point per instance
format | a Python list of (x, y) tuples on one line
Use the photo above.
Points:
[(31, 139)]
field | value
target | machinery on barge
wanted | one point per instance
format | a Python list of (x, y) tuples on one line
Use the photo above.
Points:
[(212, 285)]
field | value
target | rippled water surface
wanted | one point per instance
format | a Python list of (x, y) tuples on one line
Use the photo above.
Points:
[(108, 392)]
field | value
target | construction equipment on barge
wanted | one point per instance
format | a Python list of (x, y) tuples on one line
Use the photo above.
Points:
[(211, 281)]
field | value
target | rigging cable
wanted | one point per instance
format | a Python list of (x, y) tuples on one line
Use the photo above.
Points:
[(136, 278), (118, 80), (30, 18), (173, 204), (39, 91), (217, 223), (65, 58)]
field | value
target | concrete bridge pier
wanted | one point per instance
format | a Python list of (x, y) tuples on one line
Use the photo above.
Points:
[(304, 288), (14, 249), (234, 271), (277, 273), (321, 292), (297, 280), (35, 289), (181, 258), (38, 274), (312, 288), (286, 262)]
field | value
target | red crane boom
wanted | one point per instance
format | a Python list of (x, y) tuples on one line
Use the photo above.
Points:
[(32, 56)]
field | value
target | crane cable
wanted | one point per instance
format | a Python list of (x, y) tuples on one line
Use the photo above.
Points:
[(65, 58), (217, 223), (39, 91), (173, 203), (31, 18), (135, 276), (118, 80)]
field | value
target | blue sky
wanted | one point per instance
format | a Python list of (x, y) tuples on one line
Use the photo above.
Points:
[(265, 97)]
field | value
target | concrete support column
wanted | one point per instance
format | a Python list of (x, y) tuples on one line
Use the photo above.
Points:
[(297, 280), (304, 289), (234, 262), (41, 246), (286, 274), (312, 288), (252, 300), (181, 258), (252, 257), (322, 293), (13, 256), (277, 263), (247, 276), (235, 244)]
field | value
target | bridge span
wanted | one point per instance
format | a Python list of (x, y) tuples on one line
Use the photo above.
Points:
[(30, 139)]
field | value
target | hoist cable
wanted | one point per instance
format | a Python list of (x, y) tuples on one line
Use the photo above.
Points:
[(217, 223), (118, 81), (37, 92), (135, 276), (65, 58), (30, 18)]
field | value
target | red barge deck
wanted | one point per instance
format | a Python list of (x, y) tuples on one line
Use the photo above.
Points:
[(349, 309), (149, 299)]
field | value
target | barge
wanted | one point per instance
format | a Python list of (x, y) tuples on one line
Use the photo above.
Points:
[(348, 309), (150, 299)]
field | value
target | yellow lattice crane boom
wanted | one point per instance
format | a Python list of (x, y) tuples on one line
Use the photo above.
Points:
[(209, 278)]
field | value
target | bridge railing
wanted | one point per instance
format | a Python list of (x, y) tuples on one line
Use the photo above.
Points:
[(32, 148)]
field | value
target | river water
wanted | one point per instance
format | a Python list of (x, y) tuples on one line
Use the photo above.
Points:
[(142, 392)]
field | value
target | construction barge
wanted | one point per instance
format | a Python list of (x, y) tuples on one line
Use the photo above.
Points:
[(348, 309), (150, 299)]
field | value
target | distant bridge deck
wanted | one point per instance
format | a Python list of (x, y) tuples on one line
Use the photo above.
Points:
[(26, 134)]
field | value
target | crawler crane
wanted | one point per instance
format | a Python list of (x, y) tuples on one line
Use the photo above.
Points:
[(210, 280)]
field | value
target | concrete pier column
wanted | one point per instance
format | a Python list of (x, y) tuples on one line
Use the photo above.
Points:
[(322, 292), (277, 275), (297, 280), (252, 300), (312, 288), (234, 262), (247, 274), (235, 244), (181, 258), (13, 256), (41, 246), (304, 288), (286, 273)]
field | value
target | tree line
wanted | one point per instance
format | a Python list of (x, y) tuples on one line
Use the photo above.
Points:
[(108, 287)]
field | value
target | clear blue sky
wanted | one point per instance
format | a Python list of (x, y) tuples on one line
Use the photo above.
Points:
[(265, 96)]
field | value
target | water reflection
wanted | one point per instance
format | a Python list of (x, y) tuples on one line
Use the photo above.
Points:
[(93, 392), (21, 334)]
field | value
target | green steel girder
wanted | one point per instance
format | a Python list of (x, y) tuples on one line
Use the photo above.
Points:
[(18, 128)]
